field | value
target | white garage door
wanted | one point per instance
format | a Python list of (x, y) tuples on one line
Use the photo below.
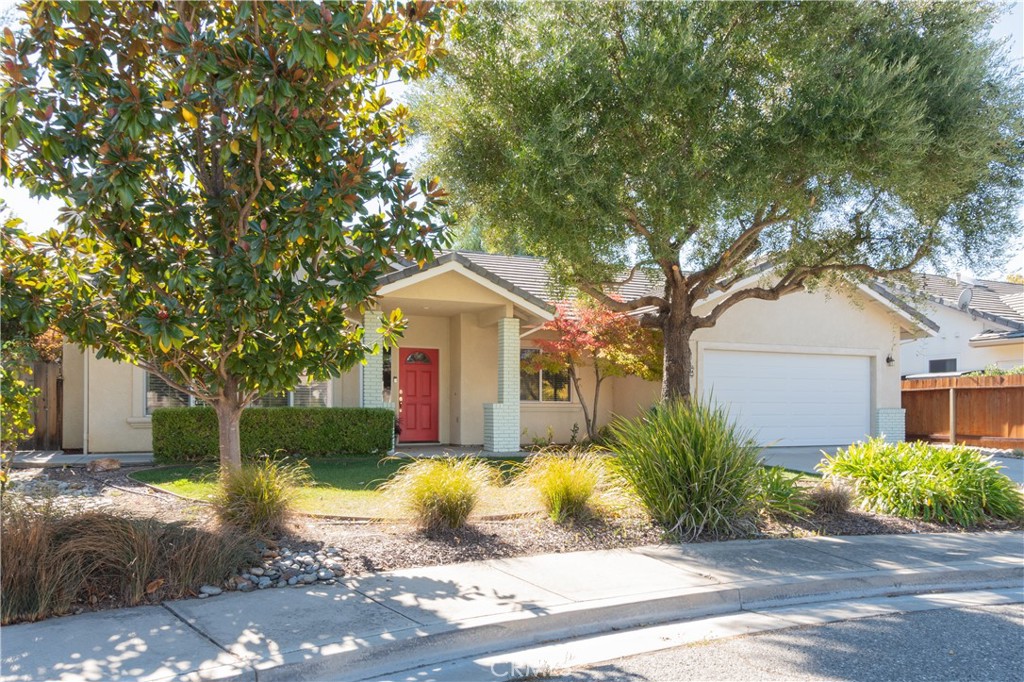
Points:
[(793, 398)]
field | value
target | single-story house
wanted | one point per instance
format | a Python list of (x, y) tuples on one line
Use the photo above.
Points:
[(981, 324), (815, 368)]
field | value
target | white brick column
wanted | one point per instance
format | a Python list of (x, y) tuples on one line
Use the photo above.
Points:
[(373, 370), (892, 424), (501, 419)]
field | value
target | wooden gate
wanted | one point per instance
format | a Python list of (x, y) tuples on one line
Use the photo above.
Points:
[(49, 407)]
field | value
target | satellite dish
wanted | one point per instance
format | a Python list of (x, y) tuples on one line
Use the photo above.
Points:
[(965, 299)]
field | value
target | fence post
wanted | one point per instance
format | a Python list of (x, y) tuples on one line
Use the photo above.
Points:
[(952, 416)]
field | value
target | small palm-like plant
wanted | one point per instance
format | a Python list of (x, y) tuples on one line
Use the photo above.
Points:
[(566, 482), (440, 492), (257, 497)]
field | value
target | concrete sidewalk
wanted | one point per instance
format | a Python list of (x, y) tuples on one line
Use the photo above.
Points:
[(375, 626)]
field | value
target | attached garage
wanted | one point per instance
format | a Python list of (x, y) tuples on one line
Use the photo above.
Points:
[(792, 398)]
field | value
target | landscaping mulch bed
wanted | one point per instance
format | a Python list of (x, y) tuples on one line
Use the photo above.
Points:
[(367, 547)]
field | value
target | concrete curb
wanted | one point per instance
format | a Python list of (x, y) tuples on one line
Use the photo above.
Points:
[(372, 658)]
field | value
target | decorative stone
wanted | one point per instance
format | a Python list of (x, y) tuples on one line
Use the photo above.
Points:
[(264, 583), (103, 464), (245, 586), (210, 590), (324, 574), (308, 579), (294, 580), (256, 571)]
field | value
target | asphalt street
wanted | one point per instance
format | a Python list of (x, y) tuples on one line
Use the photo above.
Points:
[(976, 643)]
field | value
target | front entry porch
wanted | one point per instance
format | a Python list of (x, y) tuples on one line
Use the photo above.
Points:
[(454, 377)]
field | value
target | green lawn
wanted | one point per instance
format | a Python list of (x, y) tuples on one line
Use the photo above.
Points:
[(341, 487)]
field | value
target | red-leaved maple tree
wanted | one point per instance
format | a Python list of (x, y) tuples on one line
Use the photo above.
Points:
[(590, 335)]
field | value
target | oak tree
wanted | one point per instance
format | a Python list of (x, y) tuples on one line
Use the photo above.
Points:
[(703, 142)]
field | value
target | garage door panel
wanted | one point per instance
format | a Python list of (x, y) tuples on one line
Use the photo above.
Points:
[(792, 398)]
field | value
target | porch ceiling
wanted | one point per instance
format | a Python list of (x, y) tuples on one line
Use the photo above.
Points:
[(419, 306)]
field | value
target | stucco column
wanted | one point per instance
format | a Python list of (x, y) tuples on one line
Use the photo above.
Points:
[(501, 419)]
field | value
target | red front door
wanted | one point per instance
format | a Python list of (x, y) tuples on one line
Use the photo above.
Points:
[(417, 395)]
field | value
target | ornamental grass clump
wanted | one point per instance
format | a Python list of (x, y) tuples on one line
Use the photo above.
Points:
[(53, 562), (565, 481), (440, 492), (692, 468), (916, 480), (257, 497)]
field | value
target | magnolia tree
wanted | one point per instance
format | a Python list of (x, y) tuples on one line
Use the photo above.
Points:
[(230, 178), (591, 337), (700, 141)]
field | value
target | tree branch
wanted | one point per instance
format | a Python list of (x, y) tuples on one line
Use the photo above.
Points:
[(622, 306)]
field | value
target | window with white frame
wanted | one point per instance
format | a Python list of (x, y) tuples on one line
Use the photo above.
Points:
[(541, 385), (161, 394)]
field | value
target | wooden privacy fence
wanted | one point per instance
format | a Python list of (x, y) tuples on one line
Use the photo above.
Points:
[(982, 411), (48, 410)]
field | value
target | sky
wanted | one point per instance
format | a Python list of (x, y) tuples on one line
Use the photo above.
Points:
[(40, 214)]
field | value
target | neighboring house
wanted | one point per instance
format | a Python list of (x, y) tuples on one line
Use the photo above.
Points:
[(814, 368), (981, 324)]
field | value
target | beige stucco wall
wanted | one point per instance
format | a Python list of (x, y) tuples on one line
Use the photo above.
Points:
[(116, 409), (478, 377), (72, 366), (952, 341), (345, 389)]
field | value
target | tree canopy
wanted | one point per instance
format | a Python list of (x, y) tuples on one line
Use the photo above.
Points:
[(230, 177), (700, 140)]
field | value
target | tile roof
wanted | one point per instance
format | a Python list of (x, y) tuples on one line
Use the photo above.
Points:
[(532, 274), (996, 301), (524, 275)]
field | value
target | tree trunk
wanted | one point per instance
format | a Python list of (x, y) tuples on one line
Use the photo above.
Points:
[(677, 328), (229, 415), (592, 422), (574, 376)]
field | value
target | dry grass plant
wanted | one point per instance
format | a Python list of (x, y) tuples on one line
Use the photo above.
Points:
[(53, 561), (440, 492)]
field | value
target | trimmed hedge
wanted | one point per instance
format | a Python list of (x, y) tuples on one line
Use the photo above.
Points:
[(189, 434)]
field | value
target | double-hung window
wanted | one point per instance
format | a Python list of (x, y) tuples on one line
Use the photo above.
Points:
[(542, 385)]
